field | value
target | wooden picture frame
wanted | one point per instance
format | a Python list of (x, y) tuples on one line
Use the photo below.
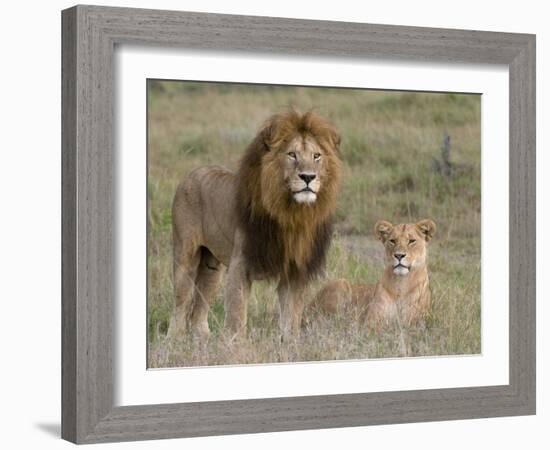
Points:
[(90, 34)]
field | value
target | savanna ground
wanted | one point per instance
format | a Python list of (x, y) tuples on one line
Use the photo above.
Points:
[(389, 143)]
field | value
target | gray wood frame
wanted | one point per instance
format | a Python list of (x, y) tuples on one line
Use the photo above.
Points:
[(89, 36)]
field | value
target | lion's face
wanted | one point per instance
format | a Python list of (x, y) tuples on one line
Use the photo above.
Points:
[(299, 168), (405, 244), (302, 168)]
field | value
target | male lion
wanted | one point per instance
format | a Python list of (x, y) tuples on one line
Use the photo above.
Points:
[(270, 220), (403, 292)]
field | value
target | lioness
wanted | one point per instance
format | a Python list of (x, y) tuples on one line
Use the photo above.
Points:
[(270, 220), (403, 292)]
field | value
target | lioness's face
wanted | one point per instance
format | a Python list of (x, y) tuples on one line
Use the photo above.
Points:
[(405, 244), (302, 162)]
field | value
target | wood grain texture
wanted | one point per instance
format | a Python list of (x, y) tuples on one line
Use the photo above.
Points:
[(522, 283), (68, 225), (88, 190), (89, 37)]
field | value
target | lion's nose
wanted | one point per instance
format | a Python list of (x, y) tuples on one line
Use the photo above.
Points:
[(399, 256), (307, 177)]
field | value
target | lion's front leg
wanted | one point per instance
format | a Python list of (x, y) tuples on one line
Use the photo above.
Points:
[(237, 293), (291, 307)]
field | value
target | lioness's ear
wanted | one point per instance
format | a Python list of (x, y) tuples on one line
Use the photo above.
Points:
[(382, 230), (427, 228)]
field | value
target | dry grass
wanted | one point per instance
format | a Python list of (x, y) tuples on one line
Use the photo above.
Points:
[(389, 142)]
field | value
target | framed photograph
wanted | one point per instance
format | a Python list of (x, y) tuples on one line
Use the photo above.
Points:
[(256, 209)]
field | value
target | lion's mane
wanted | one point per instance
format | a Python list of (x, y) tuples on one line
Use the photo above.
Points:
[(284, 238)]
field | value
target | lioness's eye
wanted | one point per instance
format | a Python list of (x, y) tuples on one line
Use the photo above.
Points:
[(317, 156), (412, 241), (392, 241), (291, 155)]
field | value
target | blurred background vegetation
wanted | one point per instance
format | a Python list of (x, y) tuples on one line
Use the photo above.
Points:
[(407, 156)]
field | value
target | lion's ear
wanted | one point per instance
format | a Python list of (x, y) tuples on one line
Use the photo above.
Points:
[(265, 136), (336, 139), (427, 228), (382, 230)]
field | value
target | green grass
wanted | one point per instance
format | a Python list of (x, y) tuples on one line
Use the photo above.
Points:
[(389, 141)]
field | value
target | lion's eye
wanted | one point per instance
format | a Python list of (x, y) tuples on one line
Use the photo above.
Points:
[(412, 241), (392, 241), (317, 156), (291, 155)]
